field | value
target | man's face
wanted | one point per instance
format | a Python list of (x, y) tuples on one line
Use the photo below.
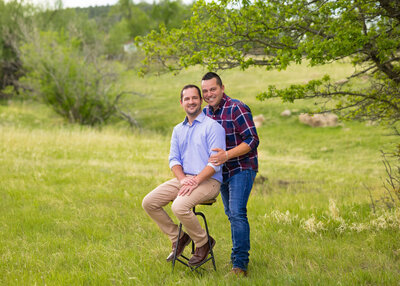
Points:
[(191, 102), (212, 92)]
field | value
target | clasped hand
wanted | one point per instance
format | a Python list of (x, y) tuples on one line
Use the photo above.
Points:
[(188, 184)]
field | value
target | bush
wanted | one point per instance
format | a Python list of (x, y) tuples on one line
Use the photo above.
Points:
[(72, 79)]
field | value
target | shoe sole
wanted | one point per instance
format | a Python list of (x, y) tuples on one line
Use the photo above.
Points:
[(212, 246), (183, 248)]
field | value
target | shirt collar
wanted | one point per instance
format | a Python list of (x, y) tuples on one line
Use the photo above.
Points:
[(199, 118)]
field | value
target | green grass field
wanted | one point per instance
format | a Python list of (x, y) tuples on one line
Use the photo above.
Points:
[(70, 207)]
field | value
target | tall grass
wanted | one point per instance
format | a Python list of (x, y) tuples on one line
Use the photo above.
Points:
[(70, 208)]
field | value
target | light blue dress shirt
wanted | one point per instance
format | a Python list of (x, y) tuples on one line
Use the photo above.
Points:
[(191, 145)]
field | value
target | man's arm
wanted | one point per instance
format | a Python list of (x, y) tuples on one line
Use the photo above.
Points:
[(178, 172), (222, 156)]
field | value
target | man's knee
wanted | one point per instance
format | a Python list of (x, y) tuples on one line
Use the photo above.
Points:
[(148, 204), (237, 215), (178, 209)]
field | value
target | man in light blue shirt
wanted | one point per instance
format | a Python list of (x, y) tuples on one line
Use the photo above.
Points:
[(195, 180)]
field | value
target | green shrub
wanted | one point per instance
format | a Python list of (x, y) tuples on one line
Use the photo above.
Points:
[(71, 78)]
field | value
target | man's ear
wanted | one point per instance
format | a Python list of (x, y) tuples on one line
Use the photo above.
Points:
[(223, 88)]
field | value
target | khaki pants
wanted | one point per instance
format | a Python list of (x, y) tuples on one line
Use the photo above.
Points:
[(182, 206)]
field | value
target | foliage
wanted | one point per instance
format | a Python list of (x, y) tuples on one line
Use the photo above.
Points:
[(104, 26), (274, 34), (77, 84), (116, 38), (98, 13), (77, 23), (143, 17), (170, 14), (17, 17), (12, 13)]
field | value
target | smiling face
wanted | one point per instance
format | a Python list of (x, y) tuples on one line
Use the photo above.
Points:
[(191, 102), (212, 92)]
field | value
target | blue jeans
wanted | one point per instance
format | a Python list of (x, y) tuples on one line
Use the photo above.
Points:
[(235, 193)]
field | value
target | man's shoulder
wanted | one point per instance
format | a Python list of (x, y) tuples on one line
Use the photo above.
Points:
[(178, 126), (213, 123), (238, 103), (209, 121), (235, 103)]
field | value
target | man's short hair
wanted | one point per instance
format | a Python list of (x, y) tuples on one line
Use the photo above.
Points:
[(211, 75), (191, 86)]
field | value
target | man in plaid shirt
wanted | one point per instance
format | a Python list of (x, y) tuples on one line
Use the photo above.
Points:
[(240, 163)]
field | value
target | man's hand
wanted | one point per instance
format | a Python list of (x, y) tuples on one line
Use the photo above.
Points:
[(186, 190), (188, 185), (219, 158), (189, 181)]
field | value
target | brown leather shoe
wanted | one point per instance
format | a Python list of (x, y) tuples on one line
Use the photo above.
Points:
[(201, 253), (183, 241), (238, 272)]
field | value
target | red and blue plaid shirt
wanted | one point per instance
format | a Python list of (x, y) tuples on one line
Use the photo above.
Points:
[(236, 118)]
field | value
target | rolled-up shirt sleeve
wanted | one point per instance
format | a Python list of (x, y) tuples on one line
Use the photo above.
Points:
[(174, 154), (245, 125), (216, 139)]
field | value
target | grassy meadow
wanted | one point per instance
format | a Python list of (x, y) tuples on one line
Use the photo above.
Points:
[(70, 207)]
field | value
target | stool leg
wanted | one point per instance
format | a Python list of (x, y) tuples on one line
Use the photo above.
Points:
[(209, 243), (208, 237), (176, 248), (194, 211)]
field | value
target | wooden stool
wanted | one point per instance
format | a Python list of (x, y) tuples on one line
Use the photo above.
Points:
[(210, 255)]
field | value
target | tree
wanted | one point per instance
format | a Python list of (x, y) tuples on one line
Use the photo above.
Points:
[(275, 33), (171, 14), (143, 17), (116, 38)]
